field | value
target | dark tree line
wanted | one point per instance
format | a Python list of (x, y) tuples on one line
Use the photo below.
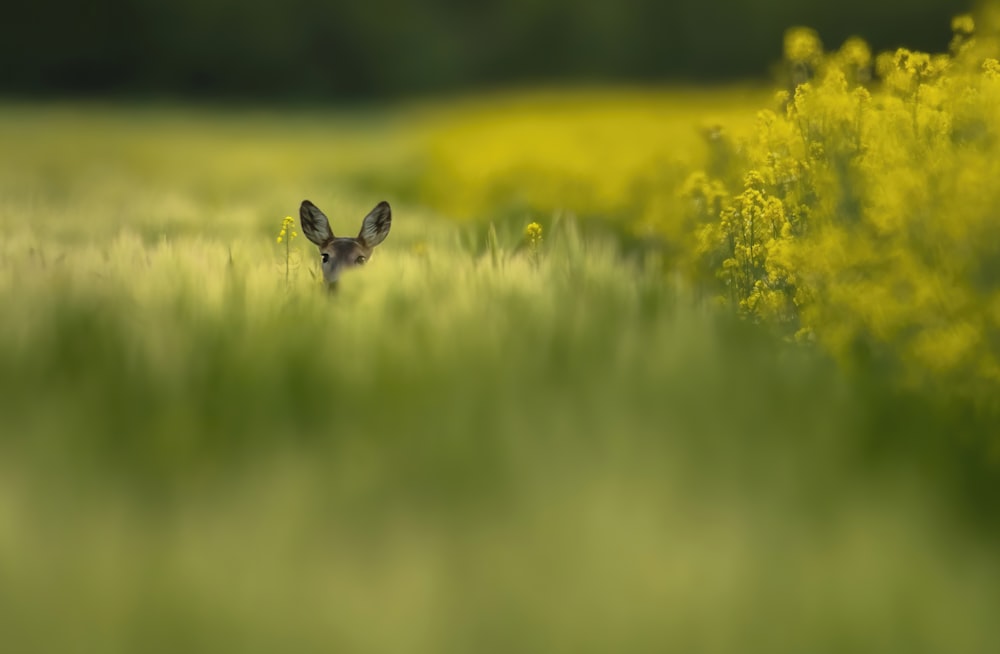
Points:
[(329, 49)]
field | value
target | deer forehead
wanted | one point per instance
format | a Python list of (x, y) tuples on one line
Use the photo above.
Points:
[(345, 249)]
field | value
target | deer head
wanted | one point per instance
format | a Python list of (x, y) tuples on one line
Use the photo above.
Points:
[(340, 254)]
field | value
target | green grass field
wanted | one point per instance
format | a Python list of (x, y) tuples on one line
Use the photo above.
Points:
[(469, 448)]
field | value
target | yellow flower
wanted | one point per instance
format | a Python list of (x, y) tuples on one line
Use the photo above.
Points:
[(963, 24), (286, 235), (286, 223), (802, 45), (533, 234), (856, 53)]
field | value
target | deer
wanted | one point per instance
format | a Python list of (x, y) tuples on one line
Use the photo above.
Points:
[(343, 253)]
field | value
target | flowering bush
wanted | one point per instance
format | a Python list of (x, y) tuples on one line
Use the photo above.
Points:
[(864, 208), (857, 210)]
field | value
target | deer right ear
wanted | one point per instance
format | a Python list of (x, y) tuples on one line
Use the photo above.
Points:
[(376, 225), (315, 225)]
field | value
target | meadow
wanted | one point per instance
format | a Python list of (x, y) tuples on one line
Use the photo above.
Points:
[(486, 440)]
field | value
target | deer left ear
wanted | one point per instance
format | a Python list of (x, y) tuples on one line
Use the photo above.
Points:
[(315, 225), (376, 225)]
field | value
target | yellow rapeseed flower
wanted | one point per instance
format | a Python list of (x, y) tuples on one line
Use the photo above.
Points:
[(287, 223), (802, 45), (533, 234), (856, 52), (860, 213), (963, 24), (286, 235)]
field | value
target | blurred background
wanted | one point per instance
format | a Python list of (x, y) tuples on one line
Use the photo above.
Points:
[(312, 50), (570, 406)]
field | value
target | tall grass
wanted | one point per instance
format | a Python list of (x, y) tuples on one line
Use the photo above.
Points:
[(470, 447)]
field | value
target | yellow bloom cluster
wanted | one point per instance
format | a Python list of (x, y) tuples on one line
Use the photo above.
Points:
[(866, 217), (287, 229), (963, 25), (617, 155), (802, 45), (533, 235), (858, 209)]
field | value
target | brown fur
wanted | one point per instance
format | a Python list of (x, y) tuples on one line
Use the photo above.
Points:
[(339, 254)]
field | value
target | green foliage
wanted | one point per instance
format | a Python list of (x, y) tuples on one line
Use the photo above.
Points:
[(452, 455)]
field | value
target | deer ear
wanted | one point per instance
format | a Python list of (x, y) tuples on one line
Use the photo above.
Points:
[(314, 224), (376, 225)]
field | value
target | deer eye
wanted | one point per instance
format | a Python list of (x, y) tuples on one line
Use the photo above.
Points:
[(326, 257), (360, 260)]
